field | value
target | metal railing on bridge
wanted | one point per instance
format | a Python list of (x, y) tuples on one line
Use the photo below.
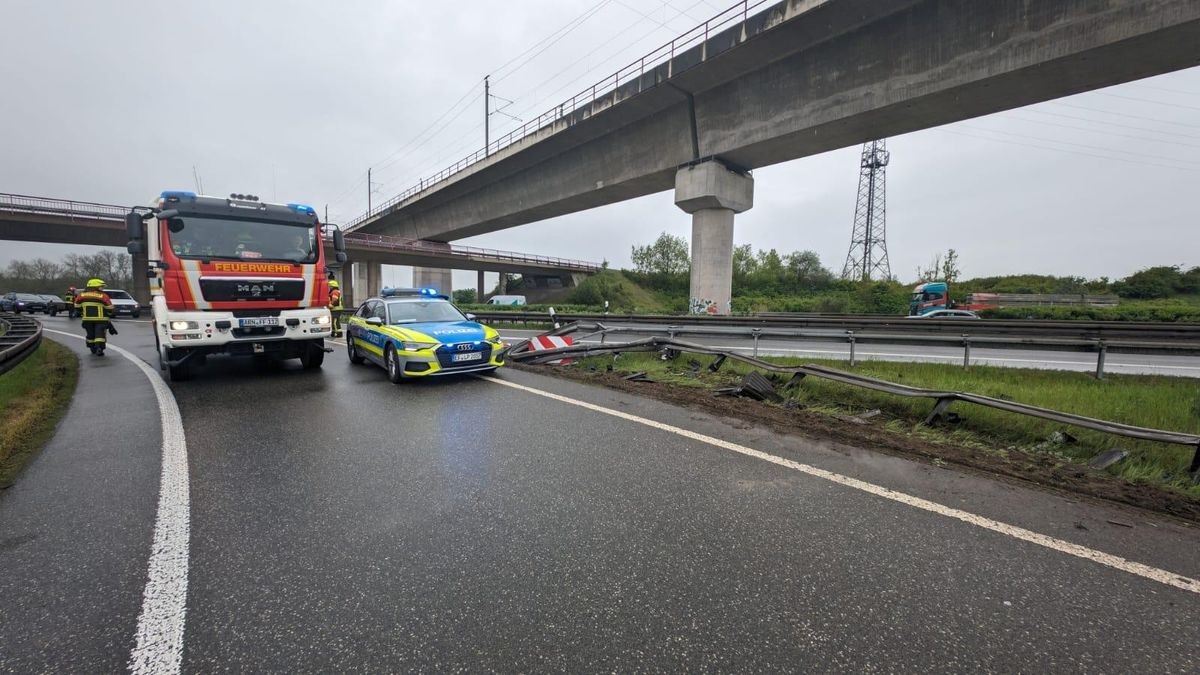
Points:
[(635, 71), (61, 207), (401, 244)]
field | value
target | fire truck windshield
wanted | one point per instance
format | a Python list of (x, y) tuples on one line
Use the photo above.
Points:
[(230, 238)]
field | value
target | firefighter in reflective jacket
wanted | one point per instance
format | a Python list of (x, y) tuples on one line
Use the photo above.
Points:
[(69, 298), (335, 307), (94, 305)]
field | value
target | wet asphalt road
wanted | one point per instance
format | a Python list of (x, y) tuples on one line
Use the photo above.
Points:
[(340, 522)]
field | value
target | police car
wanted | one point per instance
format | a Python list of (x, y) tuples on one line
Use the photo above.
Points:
[(415, 333)]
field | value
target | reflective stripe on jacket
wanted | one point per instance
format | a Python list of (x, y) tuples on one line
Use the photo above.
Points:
[(94, 305)]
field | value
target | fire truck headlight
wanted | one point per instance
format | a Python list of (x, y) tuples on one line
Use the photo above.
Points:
[(184, 325), (322, 320)]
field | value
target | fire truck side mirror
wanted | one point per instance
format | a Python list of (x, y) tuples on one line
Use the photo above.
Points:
[(134, 227), (135, 247), (339, 244), (340, 256)]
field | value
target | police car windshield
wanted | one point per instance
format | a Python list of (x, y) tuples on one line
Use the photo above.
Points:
[(230, 238), (422, 311)]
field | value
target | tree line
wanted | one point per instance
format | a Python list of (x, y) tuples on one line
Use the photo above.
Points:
[(41, 275), (663, 265)]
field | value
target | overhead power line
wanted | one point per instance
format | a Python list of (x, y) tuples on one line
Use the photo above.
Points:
[(1118, 114), (549, 41), (1068, 152)]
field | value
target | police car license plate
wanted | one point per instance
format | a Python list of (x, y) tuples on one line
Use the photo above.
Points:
[(259, 321), (470, 356)]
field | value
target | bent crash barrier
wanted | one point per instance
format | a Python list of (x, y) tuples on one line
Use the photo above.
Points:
[(19, 337), (521, 352)]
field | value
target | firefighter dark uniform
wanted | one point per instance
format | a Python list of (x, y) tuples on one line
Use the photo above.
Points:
[(95, 307), (335, 307), (69, 298)]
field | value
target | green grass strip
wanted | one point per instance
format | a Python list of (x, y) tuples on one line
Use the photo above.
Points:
[(34, 396)]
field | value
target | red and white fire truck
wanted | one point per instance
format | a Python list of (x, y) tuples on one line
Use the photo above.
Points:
[(234, 276)]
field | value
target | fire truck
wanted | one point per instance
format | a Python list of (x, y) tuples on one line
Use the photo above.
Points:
[(234, 276)]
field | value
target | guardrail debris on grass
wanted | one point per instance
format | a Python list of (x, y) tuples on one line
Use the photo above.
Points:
[(943, 399)]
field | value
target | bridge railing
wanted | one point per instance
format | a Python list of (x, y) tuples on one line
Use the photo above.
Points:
[(61, 207), (389, 243), (666, 53)]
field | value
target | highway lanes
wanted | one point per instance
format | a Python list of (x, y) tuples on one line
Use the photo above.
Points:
[(342, 522)]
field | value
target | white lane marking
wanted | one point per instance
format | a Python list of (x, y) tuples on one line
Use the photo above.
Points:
[(1107, 559), (978, 360), (159, 647)]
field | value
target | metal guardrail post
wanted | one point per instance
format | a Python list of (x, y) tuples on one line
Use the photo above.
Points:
[(966, 350), (671, 331), (850, 335), (756, 333), (1103, 349)]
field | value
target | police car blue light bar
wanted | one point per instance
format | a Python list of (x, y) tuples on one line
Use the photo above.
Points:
[(409, 292)]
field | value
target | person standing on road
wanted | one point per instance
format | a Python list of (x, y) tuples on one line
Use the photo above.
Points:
[(335, 307), (95, 307), (69, 298)]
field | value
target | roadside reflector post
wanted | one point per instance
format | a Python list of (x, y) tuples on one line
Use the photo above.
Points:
[(1102, 348), (756, 332), (850, 336), (553, 318), (966, 350), (671, 331)]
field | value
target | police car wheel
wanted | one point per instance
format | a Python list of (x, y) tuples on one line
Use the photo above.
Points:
[(352, 352), (392, 362)]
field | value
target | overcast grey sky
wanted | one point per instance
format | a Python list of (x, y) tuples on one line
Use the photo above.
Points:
[(115, 101)]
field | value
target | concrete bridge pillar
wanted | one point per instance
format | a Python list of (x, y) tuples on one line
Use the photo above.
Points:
[(480, 289), (374, 278), (139, 267), (712, 193), (434, 277)]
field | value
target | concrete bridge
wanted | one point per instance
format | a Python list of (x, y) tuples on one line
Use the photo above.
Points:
[(766, 82), (64, 221)]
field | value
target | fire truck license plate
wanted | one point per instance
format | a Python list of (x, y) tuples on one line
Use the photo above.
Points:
[(473, 356), (259, 321)]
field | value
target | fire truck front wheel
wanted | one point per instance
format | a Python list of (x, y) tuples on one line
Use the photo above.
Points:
[(313, 355)]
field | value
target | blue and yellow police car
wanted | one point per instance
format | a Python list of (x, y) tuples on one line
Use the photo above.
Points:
[(414, 332)]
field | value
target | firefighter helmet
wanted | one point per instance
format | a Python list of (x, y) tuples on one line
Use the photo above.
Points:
[(95, 283), (333, 283)]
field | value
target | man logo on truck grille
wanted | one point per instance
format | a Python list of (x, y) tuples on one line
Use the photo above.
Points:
[(255, 290)]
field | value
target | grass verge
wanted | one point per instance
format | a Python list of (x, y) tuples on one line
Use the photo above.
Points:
[(1171, 403), (34, 396)]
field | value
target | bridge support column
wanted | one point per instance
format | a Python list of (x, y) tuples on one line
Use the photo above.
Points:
[(712, 193), (434, 277), (345, 277), (374, 278), (480, 290), (139, 267)]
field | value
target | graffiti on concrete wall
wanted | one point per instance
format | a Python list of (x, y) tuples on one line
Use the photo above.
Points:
[(703, 306)]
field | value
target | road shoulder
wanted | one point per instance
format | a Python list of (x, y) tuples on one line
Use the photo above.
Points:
[(1132, 533), (76, 528)]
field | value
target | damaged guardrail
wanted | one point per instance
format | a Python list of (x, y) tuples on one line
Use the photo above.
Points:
[(19, 337), (1099, 346), (520, 352), (1033, 329)]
